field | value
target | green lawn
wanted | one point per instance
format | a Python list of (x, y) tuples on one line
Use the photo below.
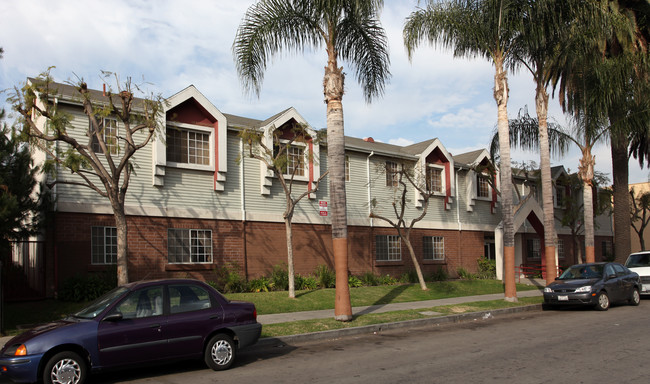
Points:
[(19, 315)]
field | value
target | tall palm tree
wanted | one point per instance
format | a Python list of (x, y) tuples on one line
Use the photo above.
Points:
[(612, 42), (348, 30), (488, 29)]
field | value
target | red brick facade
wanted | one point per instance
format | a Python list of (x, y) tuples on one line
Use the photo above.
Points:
[(255, 247)]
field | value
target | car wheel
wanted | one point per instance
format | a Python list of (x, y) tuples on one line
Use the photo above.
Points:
[(220, 352), (635, 299), (65, 368), (602, 301)]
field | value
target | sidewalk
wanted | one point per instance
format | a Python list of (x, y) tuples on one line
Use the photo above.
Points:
[(329, 313)]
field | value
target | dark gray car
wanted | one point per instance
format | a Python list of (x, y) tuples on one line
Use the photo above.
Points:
[(594, 284)]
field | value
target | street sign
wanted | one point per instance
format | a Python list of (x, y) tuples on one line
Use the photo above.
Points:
[(322, 207)]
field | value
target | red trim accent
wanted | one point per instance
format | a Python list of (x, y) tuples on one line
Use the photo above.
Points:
[(216, 154)]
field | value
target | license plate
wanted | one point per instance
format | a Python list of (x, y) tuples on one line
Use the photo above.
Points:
[(563, 298)]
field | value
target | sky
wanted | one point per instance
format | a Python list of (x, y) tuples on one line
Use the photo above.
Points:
[(167, 45)]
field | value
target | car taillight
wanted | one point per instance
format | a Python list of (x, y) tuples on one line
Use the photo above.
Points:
[(255, 314)]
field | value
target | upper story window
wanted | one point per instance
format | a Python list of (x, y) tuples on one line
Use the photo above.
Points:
[(391, 174), (483, 186), (434, 179), (534, 249), (560, 196), (185, 146), (108, 132), (103, 245), (295, 160)]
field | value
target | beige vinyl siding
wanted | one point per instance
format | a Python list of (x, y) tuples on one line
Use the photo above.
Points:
[(481, 215), (356, 189)]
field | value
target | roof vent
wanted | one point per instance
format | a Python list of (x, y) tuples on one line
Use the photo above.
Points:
[(369, 139)]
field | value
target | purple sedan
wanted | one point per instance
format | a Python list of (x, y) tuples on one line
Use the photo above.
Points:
[(138, 323)]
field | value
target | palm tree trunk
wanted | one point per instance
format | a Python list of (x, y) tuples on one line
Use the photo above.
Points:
[(501, 97), (290, 268), (333, 89), (621, 195), (587, 194), (586, 172), (541, 104)]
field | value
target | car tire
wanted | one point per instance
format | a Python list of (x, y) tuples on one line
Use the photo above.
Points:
[(602, 301), (635, 298), (65, 367), (220, 352)]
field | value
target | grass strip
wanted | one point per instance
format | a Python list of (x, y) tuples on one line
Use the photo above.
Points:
[(318, 325)]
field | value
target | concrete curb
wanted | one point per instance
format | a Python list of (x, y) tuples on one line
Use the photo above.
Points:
[(337, 333)]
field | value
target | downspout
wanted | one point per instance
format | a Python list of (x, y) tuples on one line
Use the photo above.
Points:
[(460, 224), (369, 191), (242, 192)]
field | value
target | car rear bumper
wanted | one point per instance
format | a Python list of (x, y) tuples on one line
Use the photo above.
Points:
[(558, 298), (247, 334), (22, 369)]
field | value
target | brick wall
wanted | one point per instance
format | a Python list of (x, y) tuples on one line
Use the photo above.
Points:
[(252, 247)]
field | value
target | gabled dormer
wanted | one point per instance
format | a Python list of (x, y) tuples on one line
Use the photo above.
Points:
[(560, 192), (195, 138), (304, 155), (481, 179), (435, 171)]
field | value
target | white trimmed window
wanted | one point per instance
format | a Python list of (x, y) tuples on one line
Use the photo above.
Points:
[(391, 174), (433, 248), (108, 132), (560, 194), (388, 248), (560, 248), (103, 243), (434, 179), (188, 146), (189, 246), (296, 160), (483, 186)]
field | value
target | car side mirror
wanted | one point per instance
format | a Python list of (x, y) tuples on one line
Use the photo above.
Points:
[(113, 317), (612, 276)]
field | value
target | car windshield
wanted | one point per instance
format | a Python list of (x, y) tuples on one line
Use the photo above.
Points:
[(583, 272), (640, 260), (98, 306)]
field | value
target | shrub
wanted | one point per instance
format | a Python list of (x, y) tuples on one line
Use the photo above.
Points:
[(228, 279), (464, 274), (440, 274), (307, 282), (410, 276), (387, 280), (369, 279), (354, 282), (487, 269), (280, 278), (86, 288), (262, 284), (325, 277)]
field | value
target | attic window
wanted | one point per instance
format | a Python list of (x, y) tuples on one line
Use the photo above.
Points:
[(186, 146), (483, 186), (434, 179)]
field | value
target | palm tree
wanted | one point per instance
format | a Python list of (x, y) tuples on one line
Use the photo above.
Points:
[(488, 29), (349, 30), (612, 42), (587, 132)]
